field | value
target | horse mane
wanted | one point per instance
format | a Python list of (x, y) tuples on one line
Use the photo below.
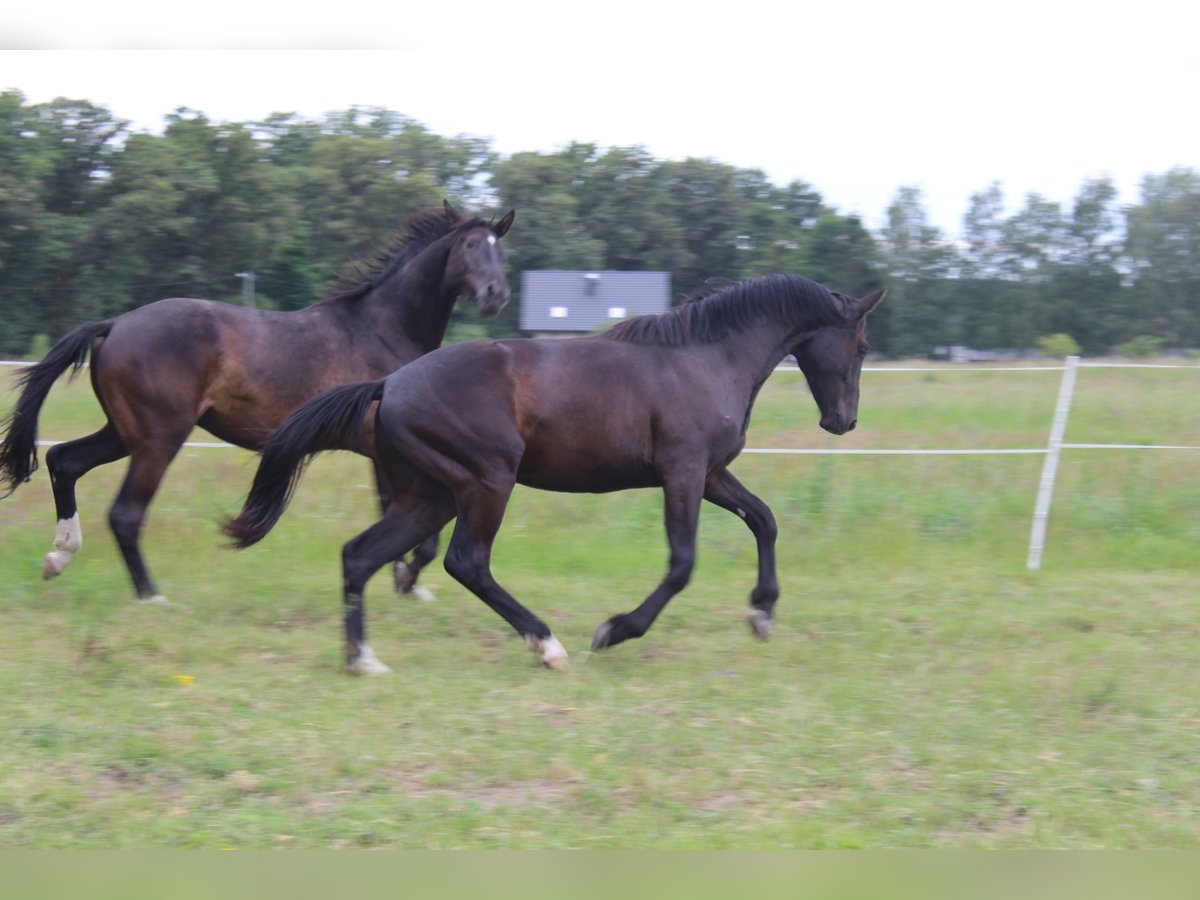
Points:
[(419, 231), (718, 309)]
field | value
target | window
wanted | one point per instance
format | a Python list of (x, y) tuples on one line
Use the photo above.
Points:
[(558, 312), (616, 312)]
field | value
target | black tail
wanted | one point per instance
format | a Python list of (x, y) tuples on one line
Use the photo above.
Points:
[(18, 452), (330, 421)]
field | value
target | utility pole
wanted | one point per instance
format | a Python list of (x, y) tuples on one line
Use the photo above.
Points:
[(248, 279)]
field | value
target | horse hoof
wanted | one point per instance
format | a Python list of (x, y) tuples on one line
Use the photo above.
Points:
[(554, 655), (422, 593), (616, 630), (601, 638), (404, 577), (366, 667), (156, 600), (760, 624), (55, 562), (366, 663)]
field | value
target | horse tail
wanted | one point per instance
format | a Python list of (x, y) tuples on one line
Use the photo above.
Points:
[(18, 451), (330, 421)]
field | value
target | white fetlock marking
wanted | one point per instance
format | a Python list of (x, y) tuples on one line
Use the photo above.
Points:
[(422, 593), (367, 663), (554, 655), (68, 538)]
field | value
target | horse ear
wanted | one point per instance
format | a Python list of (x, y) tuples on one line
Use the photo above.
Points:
[(452, 214), (866, 305), (501, 227)]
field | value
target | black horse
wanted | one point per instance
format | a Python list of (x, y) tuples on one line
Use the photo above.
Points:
[(656, 401), (163, 368)]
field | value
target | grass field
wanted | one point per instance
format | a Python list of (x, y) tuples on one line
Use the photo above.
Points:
[(921, 689)]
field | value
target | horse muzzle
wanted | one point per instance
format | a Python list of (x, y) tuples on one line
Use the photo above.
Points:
[(837, 425), (492, 298)]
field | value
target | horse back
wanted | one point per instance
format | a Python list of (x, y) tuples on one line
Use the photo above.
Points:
[(237, 372)]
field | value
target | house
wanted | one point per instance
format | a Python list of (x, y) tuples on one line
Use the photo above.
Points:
[(558, 303)]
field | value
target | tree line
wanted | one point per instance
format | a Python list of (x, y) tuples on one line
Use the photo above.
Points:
[(96, 219)]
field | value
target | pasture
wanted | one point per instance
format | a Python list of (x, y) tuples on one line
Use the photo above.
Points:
[(921, 688)]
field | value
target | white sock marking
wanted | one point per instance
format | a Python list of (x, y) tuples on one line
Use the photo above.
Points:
[(367, 663), (554, 655), (68, 538)]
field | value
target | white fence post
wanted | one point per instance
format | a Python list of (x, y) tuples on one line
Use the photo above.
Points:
[(1041, 512)]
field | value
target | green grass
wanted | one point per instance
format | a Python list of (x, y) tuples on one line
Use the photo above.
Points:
[(921, 689)]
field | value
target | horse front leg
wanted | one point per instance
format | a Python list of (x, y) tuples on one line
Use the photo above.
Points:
[(147, 466), (682, 514), (468, 560), (725, 491)]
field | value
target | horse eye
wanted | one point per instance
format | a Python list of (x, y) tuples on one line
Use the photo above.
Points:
[(471, 244)]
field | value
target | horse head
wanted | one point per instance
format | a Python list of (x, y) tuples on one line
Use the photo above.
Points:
[(475, 266), (831, 358)]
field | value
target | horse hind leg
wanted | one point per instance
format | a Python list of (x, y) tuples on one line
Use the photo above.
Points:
[(404, 572), (404, 523), (67, 463)]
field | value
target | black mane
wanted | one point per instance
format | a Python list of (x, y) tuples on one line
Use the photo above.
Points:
[(420, 230), (711, 316)]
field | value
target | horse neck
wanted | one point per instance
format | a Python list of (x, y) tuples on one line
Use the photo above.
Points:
[(756, 351), (414, 302)]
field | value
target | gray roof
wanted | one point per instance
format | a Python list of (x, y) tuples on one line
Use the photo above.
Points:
[(581, 301)]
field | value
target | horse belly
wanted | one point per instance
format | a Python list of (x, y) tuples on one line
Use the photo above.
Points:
[(593, 469)]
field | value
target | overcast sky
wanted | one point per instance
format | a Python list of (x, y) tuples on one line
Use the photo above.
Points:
[(855, 98)]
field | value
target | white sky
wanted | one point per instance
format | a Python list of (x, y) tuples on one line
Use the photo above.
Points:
[(856, 98)]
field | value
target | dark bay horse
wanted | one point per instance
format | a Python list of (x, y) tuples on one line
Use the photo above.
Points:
[(161, 369), (656, 401)]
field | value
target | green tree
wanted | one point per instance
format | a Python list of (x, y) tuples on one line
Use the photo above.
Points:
[(186, 212), (776, 224), (53, 162), (1035, 242), (623, 204), (708, 209), (1085, 297), (19, 202), (984, 293), (917, 261), (1164, 252), (843, 256), (550, 232)]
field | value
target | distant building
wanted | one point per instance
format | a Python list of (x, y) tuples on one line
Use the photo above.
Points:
[(558, 303)]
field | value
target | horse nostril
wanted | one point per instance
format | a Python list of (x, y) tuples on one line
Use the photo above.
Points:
[(853, 422)]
